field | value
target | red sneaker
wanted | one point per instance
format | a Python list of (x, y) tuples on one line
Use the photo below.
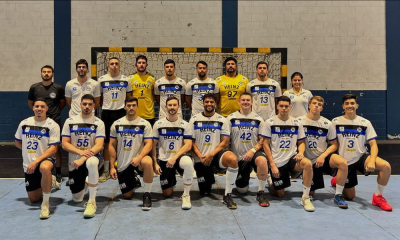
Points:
[(333, 181), (381, 202)]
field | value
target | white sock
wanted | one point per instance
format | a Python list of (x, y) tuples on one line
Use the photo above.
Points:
[(306, 191), (147, 187), (231, 175), (186, 189), (107, 165), (339, 189), (92, 194), (261, 185), (379, 189), (187, 165), (46, 197), (92, 165)]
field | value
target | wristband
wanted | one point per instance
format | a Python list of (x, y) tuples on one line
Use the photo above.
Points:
[(253, 150)]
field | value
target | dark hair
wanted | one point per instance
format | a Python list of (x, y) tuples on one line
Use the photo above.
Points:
[(168, 61), (245, 94), (132, 99), (210, 95), (87, 96), (113, 58), (349, 96), (296, 74), (170, 98), (81, 61), (201, 62), (282, 99), (39, 99), (230, 59), (262, 62), (141, 57), (47, 66)]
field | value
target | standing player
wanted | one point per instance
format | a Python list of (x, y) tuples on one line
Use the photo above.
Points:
[(284, 146), (83, 137), (353, 132), (167, 86), (299, 96), (230, 85), (174, 138), (319, 131), (115, 88), (38, 138), (55, 100), (143, 89), (131, 141), (198, 87), (247, 146), (211, 138), (77, 87), (264, 90)]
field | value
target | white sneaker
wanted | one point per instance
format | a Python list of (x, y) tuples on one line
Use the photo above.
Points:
[(45, 211), (90, 210), (186, 204), (308, 206), (54, 183), (104, 177)]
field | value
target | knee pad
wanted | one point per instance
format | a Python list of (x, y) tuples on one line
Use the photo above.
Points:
[(185, 162), (78, 197)]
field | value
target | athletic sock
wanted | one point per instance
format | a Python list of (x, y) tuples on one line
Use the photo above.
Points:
[(306, 191), (339, 189), (261, 185), (147, 187), (379, 189), (107, 165), (186, 189), (231, 175), (46, 197), (58, 171), (92, 194)]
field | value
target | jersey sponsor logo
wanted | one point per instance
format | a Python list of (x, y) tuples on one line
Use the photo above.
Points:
[(285, 131), (351, 130), (263, 89), (74, 89), (114, 85), (142, 85), (120, 128), (35, 132), (88, 88), (291, 97), (130, 130), (208, 126), (83, 129), (241, 83), (230, 87), (196, 86), (53, 95), (277, 129)]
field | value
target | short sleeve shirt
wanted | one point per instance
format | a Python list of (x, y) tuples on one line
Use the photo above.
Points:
[(75, 91)]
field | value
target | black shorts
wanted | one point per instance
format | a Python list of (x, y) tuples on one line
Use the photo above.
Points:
[(205, 174), (351, 180), (151, 121), (168, 178), (127, 178), (284, 175), (109, 117), (34, 181), (245, 168), (77, 179), (318, 173)]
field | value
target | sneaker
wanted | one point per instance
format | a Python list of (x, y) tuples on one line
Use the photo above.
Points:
[(228, 201), (308, 206), (333, 182), (380, 201), (339, 200), (269, 180), (262, 199), (90, 210), (186, 204), (146, 201), (45, 211), (104, 177), (54, 183)]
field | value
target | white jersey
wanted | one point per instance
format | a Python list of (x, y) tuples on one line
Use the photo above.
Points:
[(36, 137), (75, 91), (264, 94), (207, 132), (197, 88), (299, 102), (130, 136), (83, 133), (170, 136), (114, 91), (284, 136), (166, 88), (353, 136), (244, 132), (318, 133)]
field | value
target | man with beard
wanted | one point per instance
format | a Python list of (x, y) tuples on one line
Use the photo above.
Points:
[(174, 138), (198, 87), (230, 85), (130, 142), (54, 95), (77, 87), (167, 86), (143, 89), (83, 137), (115, 88), (211, 138)]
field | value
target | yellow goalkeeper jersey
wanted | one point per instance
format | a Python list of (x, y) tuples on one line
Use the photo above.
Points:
[(230, 90), (142, 89)]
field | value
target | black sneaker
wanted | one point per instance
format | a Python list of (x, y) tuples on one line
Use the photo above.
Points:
[(228, 201), (262, 199), (146, 201)]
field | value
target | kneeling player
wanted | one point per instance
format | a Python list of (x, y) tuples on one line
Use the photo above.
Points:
[(353, 132), (38, 138), (83, 137), (130, 142), (247, 145), (211, 138), (318, 131), (174, 138), (282, 133)]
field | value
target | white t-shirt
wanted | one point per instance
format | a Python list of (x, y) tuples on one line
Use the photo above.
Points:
[(197, 89), (299, 102), (75, 91), (166, 88), (114, 91)]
